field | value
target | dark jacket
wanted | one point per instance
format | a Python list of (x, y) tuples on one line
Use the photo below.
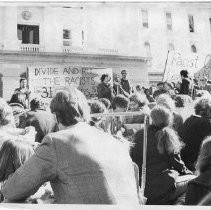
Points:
[(185, 86), (126, 86), (194, 130), (198, 188), (104, 91), (43, 121), (161, 170)]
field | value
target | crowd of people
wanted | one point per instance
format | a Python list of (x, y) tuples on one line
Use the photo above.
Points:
[(81, 151)]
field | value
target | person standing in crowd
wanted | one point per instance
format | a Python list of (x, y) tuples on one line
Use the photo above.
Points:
[(166, 174), (185, 85), (170, 89), (125, 84), (149, 95), (104, 89), (201, 186), (195, 129), (118, 87), (84, 164), (23, 90), (160, 90)]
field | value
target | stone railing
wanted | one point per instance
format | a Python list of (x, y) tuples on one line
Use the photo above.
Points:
[(80, 50), (108, 51), (31, 48)]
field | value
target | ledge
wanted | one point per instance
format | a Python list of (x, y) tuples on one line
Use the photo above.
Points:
[(62, 56)]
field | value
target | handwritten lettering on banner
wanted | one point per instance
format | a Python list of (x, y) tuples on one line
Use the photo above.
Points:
[(178, 61), (45, 81)]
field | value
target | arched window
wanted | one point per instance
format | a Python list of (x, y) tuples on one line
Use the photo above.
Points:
[(170, 47), (147, 48), (193, 48)]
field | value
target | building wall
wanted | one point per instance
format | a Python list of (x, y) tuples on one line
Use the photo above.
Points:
[(112, 25)]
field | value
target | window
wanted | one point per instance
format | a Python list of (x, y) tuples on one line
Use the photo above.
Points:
[(144, 18), (28, 34), (210, 23), (169, 21), (193, 48), (67, 37), (170, 47), (191, 23), (147, 48), (82, 37)]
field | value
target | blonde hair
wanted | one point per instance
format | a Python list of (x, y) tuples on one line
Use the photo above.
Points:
[(168, 140), (6, 114), (167, 101), (202, 106), (204, 158)]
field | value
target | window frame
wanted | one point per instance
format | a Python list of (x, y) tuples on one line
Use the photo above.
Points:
[(145, 18), (191, 23), (168, 21)]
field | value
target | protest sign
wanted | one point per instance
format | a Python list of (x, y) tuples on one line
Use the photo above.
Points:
[(180, 61), (198, 66), (45, 81)]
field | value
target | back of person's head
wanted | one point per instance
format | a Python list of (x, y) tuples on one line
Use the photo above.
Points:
[(166, 100), (103, 77), (202, 106), (204, 158), (6, 114), (168, 140), (35, 103), (70, 107), (106, 102), (120, 101), (13, 154), (184, 73), (182, 100), (97, 107), (19, 98), (140, 101)]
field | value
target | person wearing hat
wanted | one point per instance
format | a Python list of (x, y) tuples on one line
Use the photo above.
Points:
[(125, 84), (160, 90)]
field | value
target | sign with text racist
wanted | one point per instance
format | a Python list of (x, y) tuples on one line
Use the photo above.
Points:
[(45, 81), (178, 61)]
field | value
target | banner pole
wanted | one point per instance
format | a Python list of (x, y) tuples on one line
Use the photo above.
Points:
[(143, 173), (165, 66)]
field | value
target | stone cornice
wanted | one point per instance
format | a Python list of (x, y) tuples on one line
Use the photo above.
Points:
[(51, 57)]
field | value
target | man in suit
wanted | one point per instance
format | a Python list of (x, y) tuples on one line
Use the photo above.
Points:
[(83, 164)]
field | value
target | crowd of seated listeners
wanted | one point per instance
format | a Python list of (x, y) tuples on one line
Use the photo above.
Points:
[(74, 153)]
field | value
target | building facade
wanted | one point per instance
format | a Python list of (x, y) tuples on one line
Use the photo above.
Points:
[(118, 35)]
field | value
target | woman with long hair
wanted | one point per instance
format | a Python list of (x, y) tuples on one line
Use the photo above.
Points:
[(166, 101), (201, 186), (166, 177), (83, 164), (14, 153)]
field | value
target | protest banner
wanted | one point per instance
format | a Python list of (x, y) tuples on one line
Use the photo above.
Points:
[(45, 81), (192, 62), (179, 61)]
